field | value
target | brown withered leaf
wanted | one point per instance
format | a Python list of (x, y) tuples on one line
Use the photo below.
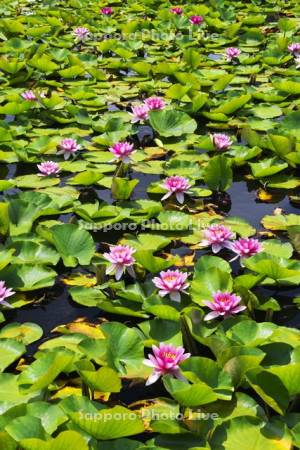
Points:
[(81, 326), (180, 261), (80, 279), (187, 260), (269, 197), (101, 396), (268, 30), (154, 153), (21, 364), (66, 392), (264, 196), (267, 234)]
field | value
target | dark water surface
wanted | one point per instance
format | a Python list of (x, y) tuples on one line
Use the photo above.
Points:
[(57, 308), (245, 205)]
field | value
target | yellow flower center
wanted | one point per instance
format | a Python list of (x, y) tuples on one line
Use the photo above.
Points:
[(170, 278), (169, 355)]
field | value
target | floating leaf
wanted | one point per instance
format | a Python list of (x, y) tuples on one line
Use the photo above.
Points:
[(232, 105), (104, 380), (10, 350), (218, 173), (64, 441), (28, 277), (44, 370), (172, 123), (116, 422), (26, 332), (267, 167), (73, 244), (122, 188)]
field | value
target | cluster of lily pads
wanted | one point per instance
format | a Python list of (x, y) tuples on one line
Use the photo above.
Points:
[(123, 129)]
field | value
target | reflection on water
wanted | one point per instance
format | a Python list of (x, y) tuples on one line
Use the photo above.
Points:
[(215, 56), (245, 205)]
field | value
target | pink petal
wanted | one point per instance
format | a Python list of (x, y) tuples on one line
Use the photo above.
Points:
[(216, 248), (110, 269), (162, 293), (167, 195), (180, 197), (119, 272), (238, 309), (149, 363), (178, 374), (153, 378), (211, 315), (5, 303)]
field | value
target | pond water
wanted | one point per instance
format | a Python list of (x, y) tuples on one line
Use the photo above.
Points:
[(57, 308)]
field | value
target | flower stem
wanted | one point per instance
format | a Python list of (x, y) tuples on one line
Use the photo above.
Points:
[(121, 170), (100, 274), (188, 340)]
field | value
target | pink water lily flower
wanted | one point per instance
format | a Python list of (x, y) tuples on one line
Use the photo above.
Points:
[(29, 96), (196, 20), (81, 33), (107, 11), (217, 236), (176, 10), (154, 103), (294, 48), (68, 147), (246, 247), (176, 185), (48, 168), (139, 113), (165, 360), (221, 141), (122, 151), (121, 259), (232, 52), (171, 282), (224, 304), (5, 293)]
